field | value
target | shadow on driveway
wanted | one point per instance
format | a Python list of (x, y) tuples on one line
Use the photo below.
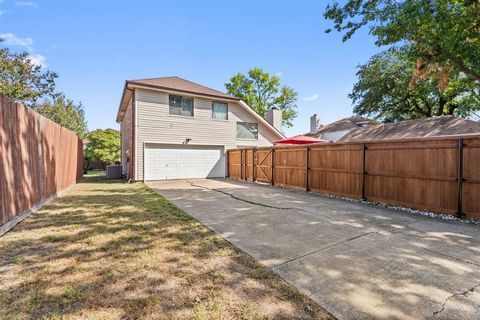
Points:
[(355, 260)]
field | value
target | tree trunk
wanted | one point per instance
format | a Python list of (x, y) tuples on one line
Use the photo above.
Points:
[(441, 105), (451, 109)]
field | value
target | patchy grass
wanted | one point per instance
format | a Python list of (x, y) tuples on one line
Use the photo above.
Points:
[(111, 250)]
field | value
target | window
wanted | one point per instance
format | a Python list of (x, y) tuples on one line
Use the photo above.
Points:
[(180, 106), (219, 111), (247, 130)]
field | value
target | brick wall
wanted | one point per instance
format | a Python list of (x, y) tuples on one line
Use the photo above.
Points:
[(127, 141)]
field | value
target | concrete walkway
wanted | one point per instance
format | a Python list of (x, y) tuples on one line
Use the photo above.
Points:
[(355, 260)]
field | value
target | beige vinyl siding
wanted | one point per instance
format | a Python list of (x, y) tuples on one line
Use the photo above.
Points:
[(155, 125)]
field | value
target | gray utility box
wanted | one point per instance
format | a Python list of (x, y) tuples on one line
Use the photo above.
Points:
[(114, 172)]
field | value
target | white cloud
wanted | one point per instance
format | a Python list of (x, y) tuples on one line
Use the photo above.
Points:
[(38, 59), (311, 98), (29, 4), (1, 13), (12, 40)]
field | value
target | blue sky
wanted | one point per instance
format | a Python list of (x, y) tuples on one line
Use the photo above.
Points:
[(96, 45)]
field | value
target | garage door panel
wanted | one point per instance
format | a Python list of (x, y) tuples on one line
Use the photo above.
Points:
[(183, 162)]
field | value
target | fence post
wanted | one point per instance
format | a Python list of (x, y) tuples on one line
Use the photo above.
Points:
[(253, 164), (307, 171), (227, 161), (364, 153), (272, 182), (245, 164), (459, 177), (241, 164)]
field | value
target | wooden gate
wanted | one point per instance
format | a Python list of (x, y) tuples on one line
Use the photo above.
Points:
[(252, 164), (263, 165)]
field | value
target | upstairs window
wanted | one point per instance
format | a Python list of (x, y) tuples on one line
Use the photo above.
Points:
[(180, 106), (247, 130), (219, 111)]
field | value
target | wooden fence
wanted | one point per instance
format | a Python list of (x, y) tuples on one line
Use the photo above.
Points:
[(38, 159), (435, 174)]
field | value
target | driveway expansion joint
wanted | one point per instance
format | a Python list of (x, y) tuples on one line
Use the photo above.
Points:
[(451, 257), (323, 248), (463, 293), (244, 200)]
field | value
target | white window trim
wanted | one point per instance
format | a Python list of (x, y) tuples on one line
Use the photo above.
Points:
[(246, 139), (181, 115), (228, 111)]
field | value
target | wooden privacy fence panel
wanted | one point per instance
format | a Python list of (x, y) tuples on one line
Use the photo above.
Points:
[(421, 175), (234, 164), (471, 176), (290, 167), (38, 158), (435, 174), (336, 169)]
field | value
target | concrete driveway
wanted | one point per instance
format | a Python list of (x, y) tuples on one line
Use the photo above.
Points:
[(356, 260)]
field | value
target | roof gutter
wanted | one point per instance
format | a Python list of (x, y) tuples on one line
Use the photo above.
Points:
[(120, 106)]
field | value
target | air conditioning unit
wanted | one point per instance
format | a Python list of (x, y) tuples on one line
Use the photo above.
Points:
[(114, 172)]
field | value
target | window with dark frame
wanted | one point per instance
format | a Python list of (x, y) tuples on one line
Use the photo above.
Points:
[(180, 106), (247, 130), (219, 110)]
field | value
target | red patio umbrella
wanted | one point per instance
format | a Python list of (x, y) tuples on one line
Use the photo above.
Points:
[(301, 140)]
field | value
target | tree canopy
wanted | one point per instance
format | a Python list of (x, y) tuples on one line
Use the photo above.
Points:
[(431, 66), (66, 113), (445, 32), (103, 145), (23, 81), (263, 92), (384, 90)]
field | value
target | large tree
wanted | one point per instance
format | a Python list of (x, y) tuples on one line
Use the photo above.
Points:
[(445, 32), (22, 80), (103, 145), (262, 92), (385, 90), (66, 113)]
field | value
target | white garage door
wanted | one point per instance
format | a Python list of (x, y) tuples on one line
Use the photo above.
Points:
[(163, 162)]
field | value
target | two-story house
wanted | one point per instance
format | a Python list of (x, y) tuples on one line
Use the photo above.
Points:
[(172, 128)]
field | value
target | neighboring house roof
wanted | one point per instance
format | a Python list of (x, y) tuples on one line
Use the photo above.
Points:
[(343, 125), (417, 128), (177, 84)]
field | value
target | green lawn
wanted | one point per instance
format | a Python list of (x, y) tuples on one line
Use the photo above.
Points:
[(111, 250)]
